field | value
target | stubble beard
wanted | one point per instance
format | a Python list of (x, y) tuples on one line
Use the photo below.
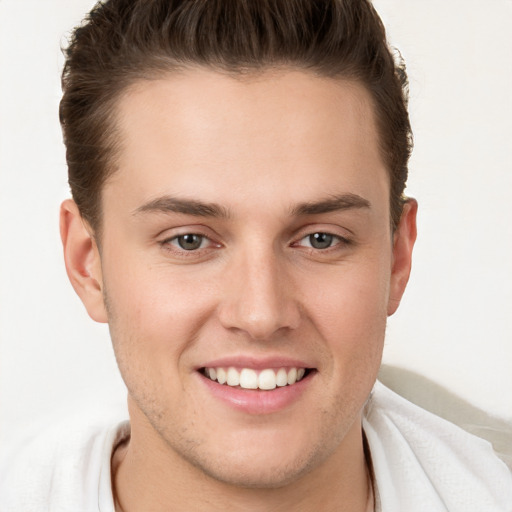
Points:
[(189, 450)]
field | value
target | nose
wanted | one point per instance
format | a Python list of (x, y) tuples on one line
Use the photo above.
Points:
[(259, 296)]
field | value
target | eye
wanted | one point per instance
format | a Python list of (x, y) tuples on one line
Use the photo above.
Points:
[(192, 246), (320, 240), (189, 241)]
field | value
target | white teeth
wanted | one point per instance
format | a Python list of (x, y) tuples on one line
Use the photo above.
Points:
[(267, 379), (221, 375), (282, 378), (233, 377), (248, 378), (292, 376)]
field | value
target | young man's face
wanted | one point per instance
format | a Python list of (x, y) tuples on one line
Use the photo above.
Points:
[(248, 227)]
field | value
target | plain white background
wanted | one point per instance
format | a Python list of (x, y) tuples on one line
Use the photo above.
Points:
[(455, 323)]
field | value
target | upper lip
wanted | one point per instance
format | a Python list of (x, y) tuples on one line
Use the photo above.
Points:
[(256, 363)]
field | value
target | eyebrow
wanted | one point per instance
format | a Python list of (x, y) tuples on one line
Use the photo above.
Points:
[(170, 204), (331, 204)]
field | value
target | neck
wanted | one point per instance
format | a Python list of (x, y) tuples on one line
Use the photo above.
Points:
[(157, 479)]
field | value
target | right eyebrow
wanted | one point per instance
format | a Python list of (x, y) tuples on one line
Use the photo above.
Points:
[(333, 203), (171, 204)]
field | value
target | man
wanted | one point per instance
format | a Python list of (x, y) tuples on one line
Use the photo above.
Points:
[(238, 219)]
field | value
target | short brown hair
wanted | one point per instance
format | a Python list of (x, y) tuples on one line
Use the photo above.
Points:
[(124, 41)]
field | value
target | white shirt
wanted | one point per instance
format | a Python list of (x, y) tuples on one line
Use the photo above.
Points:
[(421, 463)]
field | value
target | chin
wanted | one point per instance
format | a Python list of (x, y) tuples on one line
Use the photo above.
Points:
[(262, 473), (266, 460)]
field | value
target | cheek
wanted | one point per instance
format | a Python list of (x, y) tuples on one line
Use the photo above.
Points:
[(351, 319), (152, 325), (153, 316), (351, 313)]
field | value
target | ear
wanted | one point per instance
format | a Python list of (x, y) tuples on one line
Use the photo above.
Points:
[(82, 259), (403, 243)]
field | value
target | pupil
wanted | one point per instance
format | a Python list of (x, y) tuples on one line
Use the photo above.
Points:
[(190, 242), (320, 240)]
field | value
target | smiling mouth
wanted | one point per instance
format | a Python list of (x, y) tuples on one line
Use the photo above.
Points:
[(247, 378)]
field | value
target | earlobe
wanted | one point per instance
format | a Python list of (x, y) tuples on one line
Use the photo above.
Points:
[(82, 259), (403, 243)]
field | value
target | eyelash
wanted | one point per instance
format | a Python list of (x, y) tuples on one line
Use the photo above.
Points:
[(174, 246), (171, 244), (335, 241)]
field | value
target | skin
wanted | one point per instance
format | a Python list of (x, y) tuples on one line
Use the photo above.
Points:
[(262, 149)]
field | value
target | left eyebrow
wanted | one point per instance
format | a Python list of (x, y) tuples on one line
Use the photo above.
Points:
[(170, 204), (331, 204)]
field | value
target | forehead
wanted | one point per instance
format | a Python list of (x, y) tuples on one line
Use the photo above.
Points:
[(205, 133)]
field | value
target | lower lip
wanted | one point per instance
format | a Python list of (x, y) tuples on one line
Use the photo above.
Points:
[(256, 401)]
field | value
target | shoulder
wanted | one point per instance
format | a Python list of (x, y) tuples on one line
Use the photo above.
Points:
[(61, 466), (424, 463)]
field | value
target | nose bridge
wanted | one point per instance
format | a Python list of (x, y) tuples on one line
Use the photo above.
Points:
[(260, 300)]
